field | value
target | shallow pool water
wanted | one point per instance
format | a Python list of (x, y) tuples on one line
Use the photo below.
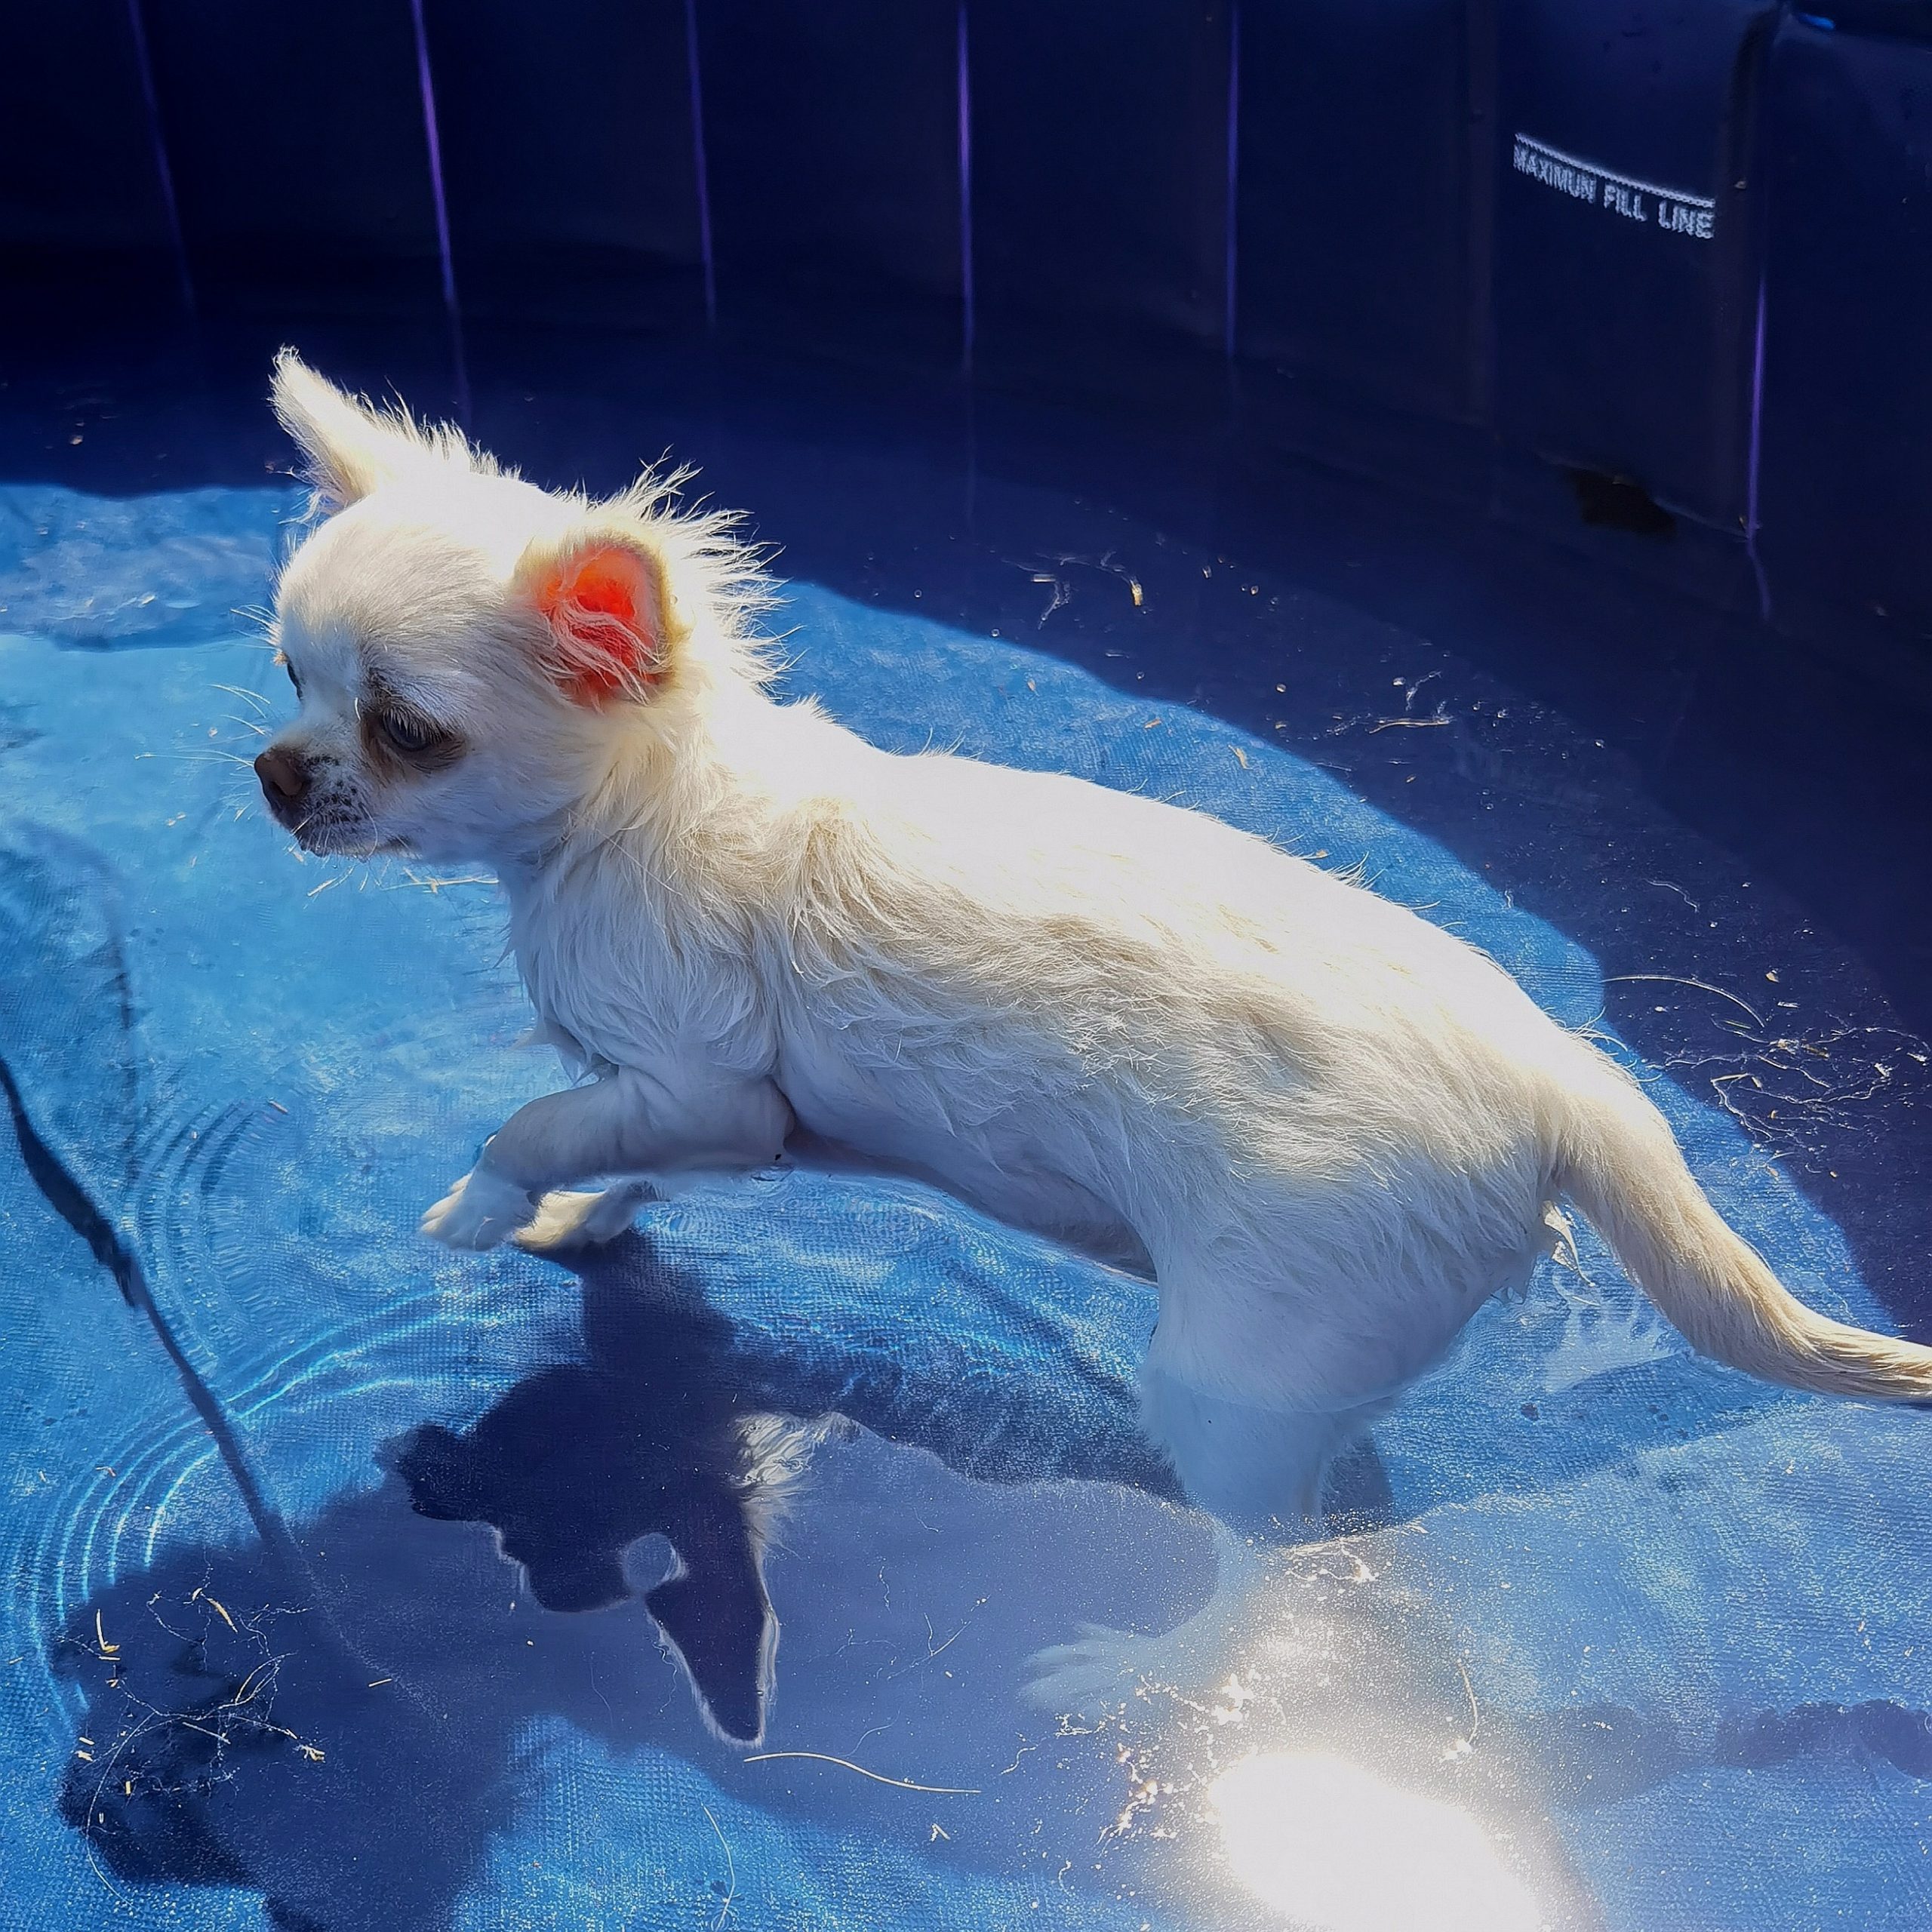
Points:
[(1607, 1635)]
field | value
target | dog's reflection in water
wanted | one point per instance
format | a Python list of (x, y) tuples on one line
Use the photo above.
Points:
[(578, 1462)]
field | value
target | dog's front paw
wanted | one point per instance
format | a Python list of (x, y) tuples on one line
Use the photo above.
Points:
[(565, 1220), (1095, 1676), (480, 1211)]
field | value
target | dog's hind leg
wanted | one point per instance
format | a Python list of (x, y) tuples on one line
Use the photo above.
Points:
[(1259, 1470), (1259, 1473)]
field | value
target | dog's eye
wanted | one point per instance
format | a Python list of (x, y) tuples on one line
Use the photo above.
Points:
[(281, 658), (408, 733)]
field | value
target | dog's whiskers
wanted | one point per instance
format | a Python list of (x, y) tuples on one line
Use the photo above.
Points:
[(247, 696), (211, 756)]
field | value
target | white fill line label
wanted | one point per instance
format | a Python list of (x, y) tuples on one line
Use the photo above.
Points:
[(1667, 210)]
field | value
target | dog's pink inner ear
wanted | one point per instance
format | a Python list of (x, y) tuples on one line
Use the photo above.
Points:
[(602, 604)]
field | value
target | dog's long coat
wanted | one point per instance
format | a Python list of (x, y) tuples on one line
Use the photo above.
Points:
[(1329, 1130)]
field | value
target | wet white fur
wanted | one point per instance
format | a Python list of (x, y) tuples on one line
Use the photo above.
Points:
[(1328, 1130)]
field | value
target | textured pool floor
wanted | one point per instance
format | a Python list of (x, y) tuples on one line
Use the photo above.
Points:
[(1618, 1637)]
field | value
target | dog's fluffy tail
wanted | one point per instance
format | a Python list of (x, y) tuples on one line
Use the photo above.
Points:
[(1621, 1165)]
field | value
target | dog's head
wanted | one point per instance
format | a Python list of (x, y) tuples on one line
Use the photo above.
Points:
[(472, 653)]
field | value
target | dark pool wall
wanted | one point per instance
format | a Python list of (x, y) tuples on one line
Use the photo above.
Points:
[(1479, 242)]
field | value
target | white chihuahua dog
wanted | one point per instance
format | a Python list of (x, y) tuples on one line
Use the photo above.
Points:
[(1329, 1130)]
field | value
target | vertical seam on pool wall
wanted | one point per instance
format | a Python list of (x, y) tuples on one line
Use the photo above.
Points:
[(1479, 55), (432, 140), (157, 145), (1747, 160), (1752, 453), (967, 317), (1231, 238), (701, 165)]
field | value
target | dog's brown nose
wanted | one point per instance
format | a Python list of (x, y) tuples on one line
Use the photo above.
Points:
[(284, 776)]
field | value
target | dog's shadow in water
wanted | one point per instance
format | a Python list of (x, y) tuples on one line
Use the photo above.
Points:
[(648, 1435), (659, 1431)]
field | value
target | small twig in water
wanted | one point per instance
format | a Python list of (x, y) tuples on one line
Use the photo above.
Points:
[(1463, 1746), (878, 1777), (730, 1870), (1703, 987)]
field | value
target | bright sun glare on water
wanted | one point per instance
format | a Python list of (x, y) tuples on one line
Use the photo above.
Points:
[(1335, 1849)]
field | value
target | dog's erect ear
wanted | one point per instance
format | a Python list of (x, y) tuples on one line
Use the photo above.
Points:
[(600, 595), (348, 448)]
